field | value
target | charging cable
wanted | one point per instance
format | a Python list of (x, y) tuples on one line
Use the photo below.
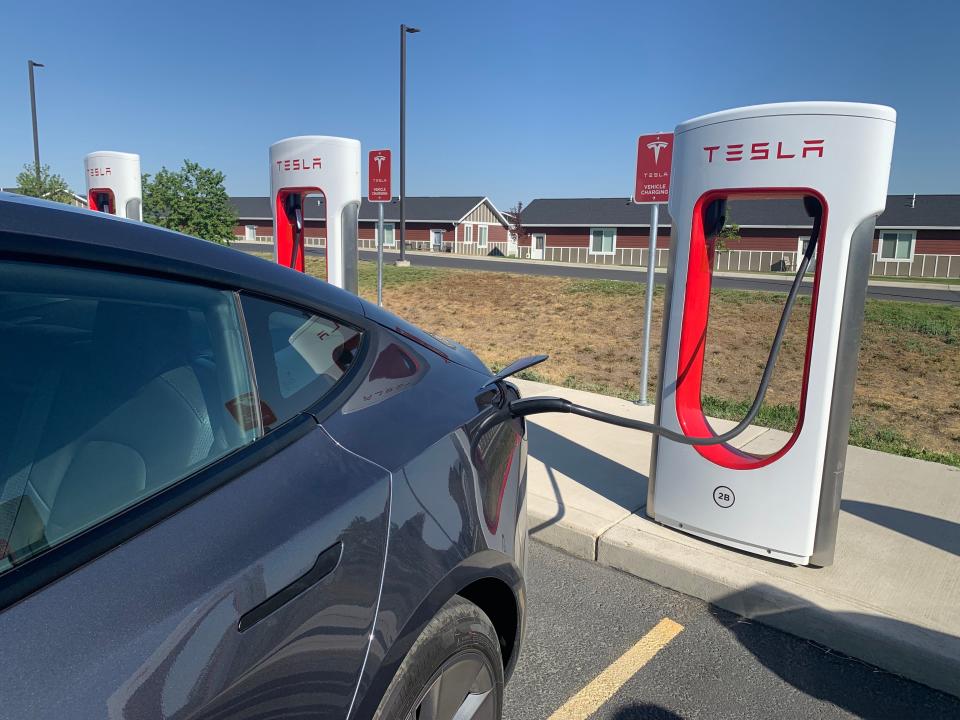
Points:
[(534, 406)]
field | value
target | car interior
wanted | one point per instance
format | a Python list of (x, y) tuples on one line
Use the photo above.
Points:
[(111, 400)]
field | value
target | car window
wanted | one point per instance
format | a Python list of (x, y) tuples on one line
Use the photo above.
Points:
[(298, 356), (114, 387)]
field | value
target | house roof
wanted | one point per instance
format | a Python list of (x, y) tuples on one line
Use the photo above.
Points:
[(588, 211), (418, 209), (78, 199), (928, 211)]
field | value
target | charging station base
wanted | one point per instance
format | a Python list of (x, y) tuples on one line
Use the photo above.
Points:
[(731, 543)]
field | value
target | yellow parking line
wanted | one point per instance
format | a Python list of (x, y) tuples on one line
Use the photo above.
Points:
[(592, 697)]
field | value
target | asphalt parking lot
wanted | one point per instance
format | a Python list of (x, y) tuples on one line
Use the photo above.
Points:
[(605, 645)]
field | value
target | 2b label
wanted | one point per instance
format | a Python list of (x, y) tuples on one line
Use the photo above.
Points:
[(723, 496)]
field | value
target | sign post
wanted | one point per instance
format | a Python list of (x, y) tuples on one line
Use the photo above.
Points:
[(378, 191), (654, 155)]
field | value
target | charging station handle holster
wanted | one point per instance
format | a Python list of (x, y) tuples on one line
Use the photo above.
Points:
[(293, 205)]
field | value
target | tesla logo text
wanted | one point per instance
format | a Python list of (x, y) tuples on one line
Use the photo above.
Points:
[(763, 151), (656, 146), (99, 172), (299, 164), (379, 160)]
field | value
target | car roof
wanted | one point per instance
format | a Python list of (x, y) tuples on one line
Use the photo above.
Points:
[(76, 235)]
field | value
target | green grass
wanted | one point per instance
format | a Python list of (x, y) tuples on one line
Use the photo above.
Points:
[(938, 281), (787, 274), (936, 321), (777, 416), (627, 288), (887, 440), (862, 434), (394, 276), (609, 287)]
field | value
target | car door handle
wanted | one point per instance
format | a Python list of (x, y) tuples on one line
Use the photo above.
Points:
[(326, 563)]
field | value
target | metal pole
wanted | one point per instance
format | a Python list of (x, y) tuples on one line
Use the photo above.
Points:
[(380, 239), (403, 139), (648, 308), (33, 109)]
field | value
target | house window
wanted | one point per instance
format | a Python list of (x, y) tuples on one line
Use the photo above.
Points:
[(603, 241), (468, 233), (389, 235), (897, 245), (482, 235)]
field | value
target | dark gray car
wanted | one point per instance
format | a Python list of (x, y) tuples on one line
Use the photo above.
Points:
[(229, 490)]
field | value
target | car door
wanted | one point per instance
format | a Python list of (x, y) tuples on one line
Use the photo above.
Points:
[(178, 536)]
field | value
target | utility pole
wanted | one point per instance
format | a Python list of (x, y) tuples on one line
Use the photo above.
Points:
[(33, 108), (404, 29)]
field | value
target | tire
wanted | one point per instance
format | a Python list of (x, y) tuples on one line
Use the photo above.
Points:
[(455, 666)]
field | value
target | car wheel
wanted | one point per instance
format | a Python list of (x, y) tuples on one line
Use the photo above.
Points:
[(454, 671)]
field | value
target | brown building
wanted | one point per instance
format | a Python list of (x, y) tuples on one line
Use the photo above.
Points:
[(917, 235), (464, 225)]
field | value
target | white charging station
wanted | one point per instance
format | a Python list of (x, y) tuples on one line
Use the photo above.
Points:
[(317, 164), (114, 183), (784, 505)]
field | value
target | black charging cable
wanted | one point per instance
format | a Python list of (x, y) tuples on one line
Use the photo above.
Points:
[(534, 406)]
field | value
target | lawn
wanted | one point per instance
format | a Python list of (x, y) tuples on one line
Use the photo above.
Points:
[(907, 398)]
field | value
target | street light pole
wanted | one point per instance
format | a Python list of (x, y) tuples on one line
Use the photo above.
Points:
[(403, 136), (33, 108)]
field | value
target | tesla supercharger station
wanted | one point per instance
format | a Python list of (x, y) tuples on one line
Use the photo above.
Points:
[(836, 158), (114, 184), (317, 164)]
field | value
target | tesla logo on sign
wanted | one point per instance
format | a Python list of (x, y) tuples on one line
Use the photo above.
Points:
[(299, 164), (763, 151), (654, 155), (99, 172), (657, 146), (378, 176)]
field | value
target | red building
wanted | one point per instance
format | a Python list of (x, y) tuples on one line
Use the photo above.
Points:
[(917, 235), (464, 225)]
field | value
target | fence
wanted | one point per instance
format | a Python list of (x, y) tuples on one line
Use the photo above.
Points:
[(920, 266)]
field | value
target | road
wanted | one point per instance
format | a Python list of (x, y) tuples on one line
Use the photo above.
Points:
[(583, 617), (612, 272)]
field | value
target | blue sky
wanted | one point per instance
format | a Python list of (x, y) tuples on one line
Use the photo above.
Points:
[(514, 100)]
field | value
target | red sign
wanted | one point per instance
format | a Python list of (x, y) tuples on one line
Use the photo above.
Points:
[(378, 176), (654, 154)]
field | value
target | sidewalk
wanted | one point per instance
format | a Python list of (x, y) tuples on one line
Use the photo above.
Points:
[(892, 597)]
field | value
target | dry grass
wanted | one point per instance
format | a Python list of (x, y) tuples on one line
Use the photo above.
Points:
[(907, 398)]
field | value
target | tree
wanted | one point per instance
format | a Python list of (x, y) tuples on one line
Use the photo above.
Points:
[(49, 186), (192, 200), (730, 231), (516, 216)]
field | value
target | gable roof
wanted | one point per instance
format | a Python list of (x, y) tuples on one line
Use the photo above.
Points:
[(928, 211), (78, 199), (418, 209)]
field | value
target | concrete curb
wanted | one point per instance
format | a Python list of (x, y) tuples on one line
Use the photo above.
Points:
[(853, 628), (840, 624)]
